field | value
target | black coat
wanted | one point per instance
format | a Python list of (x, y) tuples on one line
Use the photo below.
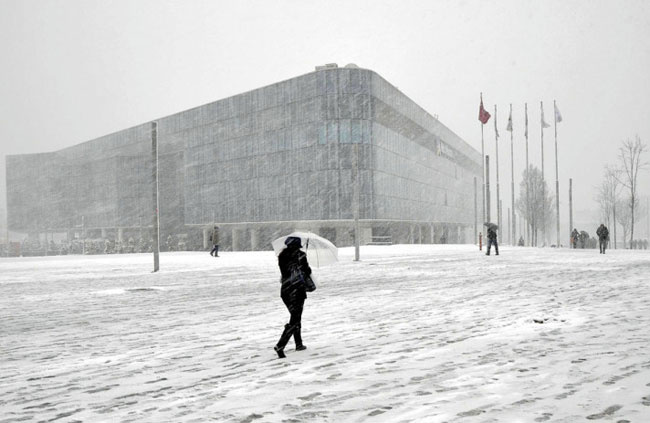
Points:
[(491, 234), (289, 259), (602, 232)]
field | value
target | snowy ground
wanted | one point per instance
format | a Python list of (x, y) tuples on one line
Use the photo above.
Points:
[(424, 333)]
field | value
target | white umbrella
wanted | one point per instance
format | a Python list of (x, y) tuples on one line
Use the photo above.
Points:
[(320, 251)]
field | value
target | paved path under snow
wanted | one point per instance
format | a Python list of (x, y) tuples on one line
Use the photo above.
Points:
[(411, 333)]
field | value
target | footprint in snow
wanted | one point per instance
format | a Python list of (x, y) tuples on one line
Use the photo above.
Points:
[(310, 396), (607, 412)]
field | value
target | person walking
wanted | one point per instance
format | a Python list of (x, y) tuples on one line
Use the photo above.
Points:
[(574, 238), (492, 240), (214, 238), (292, 261), (603, 237)]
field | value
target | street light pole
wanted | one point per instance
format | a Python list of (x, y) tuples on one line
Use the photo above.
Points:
[(356, 202), (154, 177)]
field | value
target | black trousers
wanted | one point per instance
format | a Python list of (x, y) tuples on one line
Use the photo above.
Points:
[(294, 303), (602, 243), (215, 250), (294, 300), (492, 242)]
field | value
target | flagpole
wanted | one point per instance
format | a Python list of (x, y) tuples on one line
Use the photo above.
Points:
[(513, 233), (557, 181), (496, 144), (483, 165), (570, 207), (509, 215), (487, 186), (541, 124), (528, 229)]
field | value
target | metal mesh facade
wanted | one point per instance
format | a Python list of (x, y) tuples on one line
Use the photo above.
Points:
[(281, 153)]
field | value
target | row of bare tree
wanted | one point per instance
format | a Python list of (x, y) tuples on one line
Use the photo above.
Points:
[(617, 194)]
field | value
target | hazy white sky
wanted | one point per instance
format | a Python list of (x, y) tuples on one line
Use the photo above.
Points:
[(78, 69)]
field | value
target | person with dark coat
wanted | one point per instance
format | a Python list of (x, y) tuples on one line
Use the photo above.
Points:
[(575, 235), (492, 240), (292, 259), (603, 237), (214, 237)]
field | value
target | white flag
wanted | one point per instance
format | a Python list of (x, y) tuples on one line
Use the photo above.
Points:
[(526, 131), (558, 116), (544, 124)]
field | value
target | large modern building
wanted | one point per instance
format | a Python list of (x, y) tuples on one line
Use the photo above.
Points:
[(258, 164)]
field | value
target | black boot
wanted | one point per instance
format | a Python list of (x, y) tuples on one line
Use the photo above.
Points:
[(280, 352), (284, 338), (297, 337)]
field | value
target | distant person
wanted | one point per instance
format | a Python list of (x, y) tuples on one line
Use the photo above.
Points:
[(574, 238), (292, 292), (214, 238), (521, 241), (603, 237), (492, 240)]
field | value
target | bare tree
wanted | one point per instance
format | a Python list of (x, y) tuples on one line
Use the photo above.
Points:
[(607, 197), (631, 162), (624, 218), (537, 208)]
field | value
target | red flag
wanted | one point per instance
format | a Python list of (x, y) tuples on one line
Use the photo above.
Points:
[(483, 114)]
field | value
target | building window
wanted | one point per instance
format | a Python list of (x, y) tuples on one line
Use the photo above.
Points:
[(332, 131), (355, 131), (330, 82), (344, 131), (365, 131), (322, 134)]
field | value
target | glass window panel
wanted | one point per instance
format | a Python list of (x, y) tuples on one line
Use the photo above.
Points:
[(345, 104), (355, 131), (332, 107), (355, 83), (330, 82), (344, 80), (365, 131), (322, 134), (332, 132), (344, 131)]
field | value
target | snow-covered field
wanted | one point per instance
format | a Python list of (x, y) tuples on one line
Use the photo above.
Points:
[(425, 333)]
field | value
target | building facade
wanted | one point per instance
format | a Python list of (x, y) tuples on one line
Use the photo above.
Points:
[(312, 152)]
